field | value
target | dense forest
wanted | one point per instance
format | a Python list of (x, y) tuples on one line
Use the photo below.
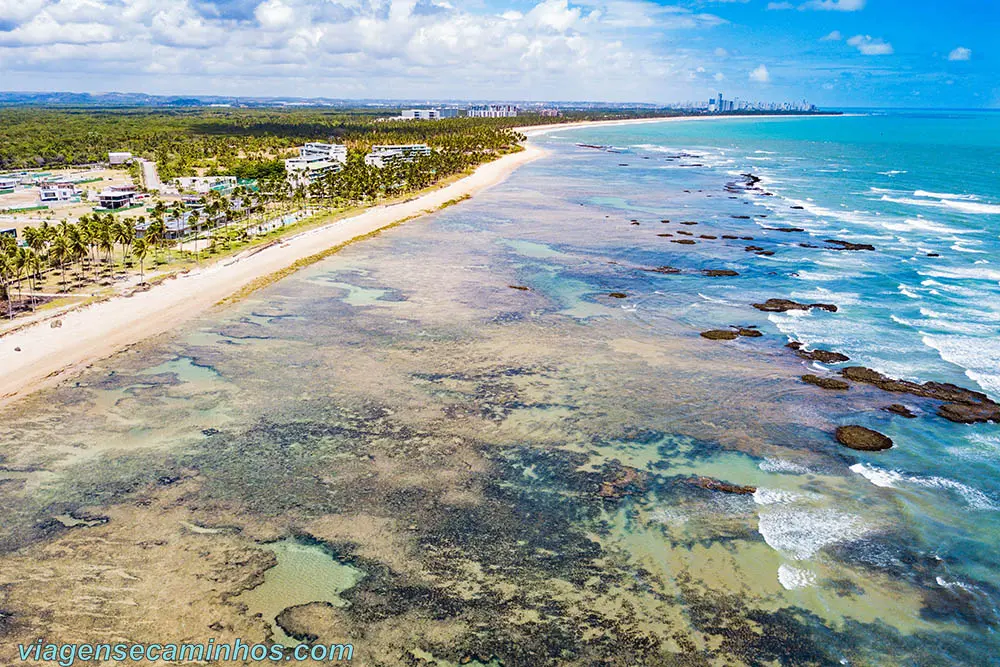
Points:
[(226, 140)]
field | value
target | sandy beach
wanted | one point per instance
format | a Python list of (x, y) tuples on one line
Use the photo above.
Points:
[(37, 355)]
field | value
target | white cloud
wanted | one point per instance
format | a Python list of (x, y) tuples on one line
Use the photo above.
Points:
[(760, 74), (609, 49), (834, 5), (959, 54), (719, 76), (834, 36), (721, 52), (780, 5), (870, 46)]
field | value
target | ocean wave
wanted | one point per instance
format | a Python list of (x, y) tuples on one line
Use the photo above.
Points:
[(893, 172), (944, 195), (893, 478), (963, 273), (801, 533), (794, 577), (980, 357), (976, 208), (923, 225)]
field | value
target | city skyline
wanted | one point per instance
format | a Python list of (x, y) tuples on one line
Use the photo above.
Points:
[(836, 53)]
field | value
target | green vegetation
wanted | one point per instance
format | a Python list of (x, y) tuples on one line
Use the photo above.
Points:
[(233, 141)]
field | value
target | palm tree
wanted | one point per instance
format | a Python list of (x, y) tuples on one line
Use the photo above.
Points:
[(33, 264), (139, 250), (59, 252), (6, 271)]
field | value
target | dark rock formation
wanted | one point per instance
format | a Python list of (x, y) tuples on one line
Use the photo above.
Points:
[(784, 229), (960, 405), (689, 222), (708, 236), (718, 485), (784, 305), (730, 237), (684, 241), (719, 273), (620, 481), (668, 234), (901, 410), (519, 287), (664, 269), (847, 245), (826, 383), (862, 439), (749, 332), (822, 356), (720, 334), (618, 295)]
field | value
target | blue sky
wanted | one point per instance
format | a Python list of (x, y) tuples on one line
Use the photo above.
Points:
[(831, 52)]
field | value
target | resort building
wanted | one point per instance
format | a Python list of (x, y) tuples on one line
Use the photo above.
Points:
[(52, 192), (117, 196), (315, 161), (119, 158), (205, 184), (421, 114), (7, 184), (494, 111), (380, 156), (149, 177), (550, 113)]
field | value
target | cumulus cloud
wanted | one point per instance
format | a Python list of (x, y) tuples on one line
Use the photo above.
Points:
[(780, 5), (342, 48), (870, 46), (760, 74), (834, 36), (960, 54)]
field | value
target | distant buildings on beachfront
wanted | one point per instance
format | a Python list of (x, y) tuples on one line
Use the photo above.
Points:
[(721, 105), (315, 160), (494, 111), (381, 156), (117, 197)]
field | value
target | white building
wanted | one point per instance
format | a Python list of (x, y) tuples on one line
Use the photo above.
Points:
[(381, 156), (149, 177), (51, 192), (315, 161), (421, 114), (205, 184), (494, 111), (119, 158), (331, 152), (8, 183), (117, 196)]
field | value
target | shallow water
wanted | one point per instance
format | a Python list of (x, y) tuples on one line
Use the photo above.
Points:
[(454, 438)]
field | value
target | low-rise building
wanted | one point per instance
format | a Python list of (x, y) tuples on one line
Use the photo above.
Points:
[(117, 196), (315, 161), (550, 113), (51, 192), (421, 114), (494, 111), (120, 157), (380, 156)]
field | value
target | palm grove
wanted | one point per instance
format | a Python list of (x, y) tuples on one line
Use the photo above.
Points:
[(103, 247)]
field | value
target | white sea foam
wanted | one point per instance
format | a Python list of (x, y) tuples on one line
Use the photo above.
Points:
[(886, 479), (943, 195), (893, 479), (980, 357), (801, 533), (764, 496), (920, 224), (782, 465), (893, 172), (794, 577), (971, 207), (963, 273)]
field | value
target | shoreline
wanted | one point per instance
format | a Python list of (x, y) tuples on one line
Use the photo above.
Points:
[(36, 356)]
